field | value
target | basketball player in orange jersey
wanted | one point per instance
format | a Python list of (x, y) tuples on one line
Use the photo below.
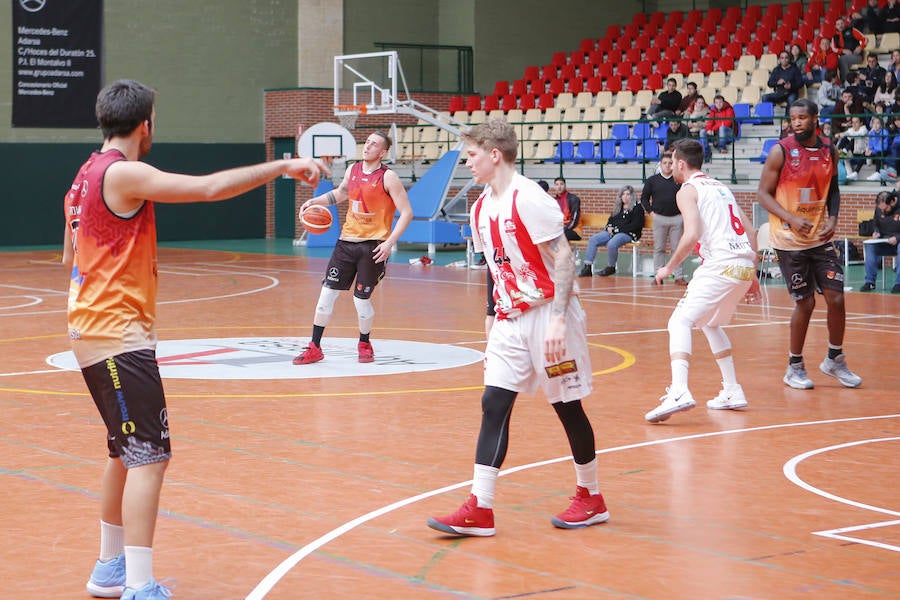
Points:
[(374, 193), (110, 243), (799, 188), (539, 337)]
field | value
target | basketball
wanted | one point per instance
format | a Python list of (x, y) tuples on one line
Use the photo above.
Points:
[(316, 219)]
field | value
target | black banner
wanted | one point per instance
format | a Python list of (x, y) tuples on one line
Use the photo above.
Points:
[(57, 47)]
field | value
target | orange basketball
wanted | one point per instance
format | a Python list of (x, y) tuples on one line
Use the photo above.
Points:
[(316, 219)]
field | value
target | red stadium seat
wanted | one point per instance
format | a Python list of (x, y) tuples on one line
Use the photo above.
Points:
[(519, 87), (613, 32), (559, 59), (508, 103), (775, 9), (743, 36), (587, 44), (585, 71), (605, 70), (725, 63), (633, 55), (653, 54), (755, 47), (639, 19), (546, 101), (675, 16), (635, 83), (614, 56), (644, 68), (710, 26), (754, 11), (763, 33), (604, 44), (501, 88), (578, 57), (693, 52), (614, 85), (623, 44), (655, 81), (670, 29), (532, 72), (643, 41), (526, 102), (785, 32), (567, 72), (556, 86), (735, 50), (694, 16), (775, 46), (549, 72), (714, 13), (770, 21), (795, 9), (596, 57), (594, 85), (661, 40), (491, 102), (681, 39), (806, 32), (685, 66), (658, 18), (456, 103), (673, 53), (575, 86), (722, 37), (624, 68), (473, 103), (700, 38), (664, 66), (631, 32), (705, 65), (733, 13), (714, 51), (536, 87)]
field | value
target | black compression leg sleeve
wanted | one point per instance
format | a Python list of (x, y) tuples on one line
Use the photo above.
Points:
[(493, 440), (578, 429)]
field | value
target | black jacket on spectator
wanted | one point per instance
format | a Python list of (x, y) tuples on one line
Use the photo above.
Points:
[(790, 74), (628, 221)]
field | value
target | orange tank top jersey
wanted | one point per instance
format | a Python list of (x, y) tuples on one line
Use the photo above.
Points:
[(803, 187), (370, 211), (112, 292)]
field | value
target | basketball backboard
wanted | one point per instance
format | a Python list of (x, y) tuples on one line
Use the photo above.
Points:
[(328, 140), (368, 83)]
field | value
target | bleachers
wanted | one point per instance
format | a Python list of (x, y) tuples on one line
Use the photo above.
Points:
[(584, 103)]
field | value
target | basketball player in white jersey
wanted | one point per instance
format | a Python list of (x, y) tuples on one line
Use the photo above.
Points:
[(727, 241), (539, 337)]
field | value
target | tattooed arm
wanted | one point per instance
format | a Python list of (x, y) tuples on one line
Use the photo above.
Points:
[(560, 253)]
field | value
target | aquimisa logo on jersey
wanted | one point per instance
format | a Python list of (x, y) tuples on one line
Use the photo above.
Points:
[(560, 369)]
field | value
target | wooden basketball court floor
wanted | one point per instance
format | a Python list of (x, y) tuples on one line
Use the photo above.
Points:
[(320, 487)]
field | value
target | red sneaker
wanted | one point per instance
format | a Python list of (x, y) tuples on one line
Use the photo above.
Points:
[(585, 510), (310, 354), (468, 520), (366, 353)]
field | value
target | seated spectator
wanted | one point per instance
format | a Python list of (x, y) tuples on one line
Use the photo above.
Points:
[(829, 92), (893, 128), (822, 59), (698, 116), (676, 130), (894, 64), (887, 228), (669, 100), (785, 81), (625, 225), (879, 146), (544, 185), (687, 101), (825, 130), (869, 77), (849, 44), (890, 17), (853, 143), (798, 55), (886, 92), (785, 129), (868, 18), (845, 107), (570, 205), (719, 123)]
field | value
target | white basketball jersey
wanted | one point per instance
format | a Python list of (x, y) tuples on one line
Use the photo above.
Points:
[(723, 239)]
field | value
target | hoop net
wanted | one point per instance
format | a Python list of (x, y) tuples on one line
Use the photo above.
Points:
[(348, 113)]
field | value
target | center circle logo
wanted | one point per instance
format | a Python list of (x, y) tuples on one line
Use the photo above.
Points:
[(270, 358)]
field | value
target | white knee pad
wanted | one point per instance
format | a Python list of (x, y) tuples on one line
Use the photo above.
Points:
[(325, 306), (679, 334), (718, 341), (366, 313)]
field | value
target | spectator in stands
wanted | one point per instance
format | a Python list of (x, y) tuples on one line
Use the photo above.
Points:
[(720, 124), (697, 116), (886, 93), (868, 18), (570, 204), (894, 64), (822, 59), (676, 130), (544, 185), (798, 55), (687, 101), (826, 131), (625, 225), (658, 199), (668, 101), (869, 77), (879, 147), (890, 17), (785, 128), (887, 228), (848, 105), (785, 81), (893, 128), (849, 44), (829, 92), (854, 142)]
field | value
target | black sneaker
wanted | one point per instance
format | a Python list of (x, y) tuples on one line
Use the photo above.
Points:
[(586, 270), (607, 271), (867, 287), (896, 289)]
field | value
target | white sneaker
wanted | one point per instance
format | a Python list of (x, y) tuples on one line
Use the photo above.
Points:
[(876, 176), (670, 404), (797, 378), (729, 398), (852, 176), (838, 369)]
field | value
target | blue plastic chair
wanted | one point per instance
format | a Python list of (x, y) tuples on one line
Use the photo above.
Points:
[(767, 145), (742, 112), (606, 150), (628, 151), (585, 152), (641, 131), (650, 150), (763, 113), (565, 151), (620, 131)]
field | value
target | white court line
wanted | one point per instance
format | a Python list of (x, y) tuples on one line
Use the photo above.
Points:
[(270, 580), (35, 372), (790, 471)]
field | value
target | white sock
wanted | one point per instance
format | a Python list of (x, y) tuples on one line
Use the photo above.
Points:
[(679, 375), (726, 366), (112, 540), (484, 482), (138, 566), (586, 475)]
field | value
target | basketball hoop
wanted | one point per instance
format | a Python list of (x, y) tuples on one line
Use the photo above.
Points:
[(348, 113)]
